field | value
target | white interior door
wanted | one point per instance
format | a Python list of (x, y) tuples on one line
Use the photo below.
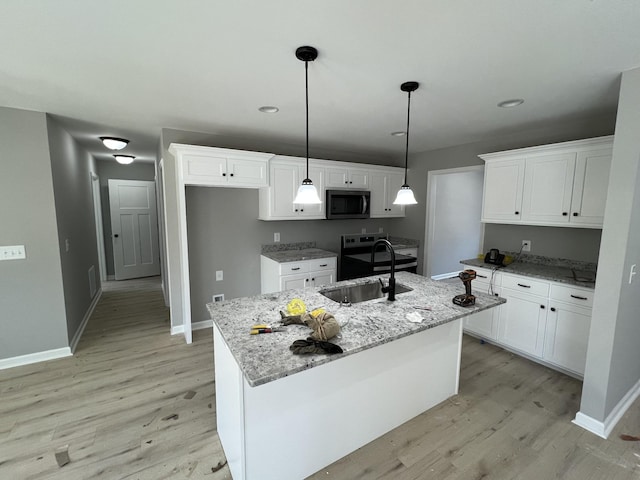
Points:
[(134, 228), (453, 228)]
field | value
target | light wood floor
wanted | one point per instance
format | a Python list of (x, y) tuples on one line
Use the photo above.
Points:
[(122, 406)]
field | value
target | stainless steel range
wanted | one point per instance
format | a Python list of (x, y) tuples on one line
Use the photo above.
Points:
[(355, 257)]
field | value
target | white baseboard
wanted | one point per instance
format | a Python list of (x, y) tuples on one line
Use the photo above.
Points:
[(603, 429), (194, 326), (85, 320), (34, 357)]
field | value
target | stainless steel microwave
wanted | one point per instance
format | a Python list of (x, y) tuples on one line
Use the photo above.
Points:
[(348, 204)]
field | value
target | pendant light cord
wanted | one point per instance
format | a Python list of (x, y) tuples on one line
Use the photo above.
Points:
[(306, 90), (406, 151)]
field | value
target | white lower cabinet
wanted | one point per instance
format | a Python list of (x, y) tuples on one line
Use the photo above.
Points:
[(277, 277), (546, 321), (522, 321), (484, 324)]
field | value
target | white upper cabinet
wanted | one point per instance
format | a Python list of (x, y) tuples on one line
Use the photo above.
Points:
[(210, 166), (503, 184), (347, 177), (563, 184), (287, 174), (548, 183), (590, 187), (384, 188)]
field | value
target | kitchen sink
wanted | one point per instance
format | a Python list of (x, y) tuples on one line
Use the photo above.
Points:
[(360, 293)]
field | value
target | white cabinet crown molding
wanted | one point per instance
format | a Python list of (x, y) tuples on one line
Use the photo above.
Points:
[(539, 150)]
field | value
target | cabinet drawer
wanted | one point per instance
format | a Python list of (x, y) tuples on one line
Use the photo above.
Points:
[(574, 295), (322, 264), (294, 267), (525, 285)]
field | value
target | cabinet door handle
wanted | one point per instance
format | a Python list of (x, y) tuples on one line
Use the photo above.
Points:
[(481, 276), (575, 214), (564, 214), (579, 298), (324, 264), (302, 209), (296, 209), (524, 286), (553, 309), (297, 268), (313, 279), (306, 279), (231, 174), (517, 213), (542, 306), (224, 174)]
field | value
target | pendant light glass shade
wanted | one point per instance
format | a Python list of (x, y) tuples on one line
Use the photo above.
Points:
[(307, 193), (405, 194)]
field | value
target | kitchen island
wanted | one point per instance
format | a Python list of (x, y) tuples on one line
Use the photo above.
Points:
[(285, 416)]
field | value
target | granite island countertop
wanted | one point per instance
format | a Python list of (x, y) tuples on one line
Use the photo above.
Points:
[(283, 256), (556, 273), (266, 357)]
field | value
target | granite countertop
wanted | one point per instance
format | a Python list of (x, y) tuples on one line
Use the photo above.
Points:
[(266, 357), (283, 256), (562, 273), (400, 242)]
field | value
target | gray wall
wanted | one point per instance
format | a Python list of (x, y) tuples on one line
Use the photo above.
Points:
[(32, 309), (613, 366), (71, 168), (107, 169), (573, 243), (465, 155), (224, 234)]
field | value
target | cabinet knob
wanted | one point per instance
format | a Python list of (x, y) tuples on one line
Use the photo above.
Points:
[(350, 182), (564, 214), (575, 214), (115, 235), (517, 213), (346, 182), (542, 307), (302, 209), (296, 209), (306, 279), (224, 174), (313, 279), (231, 174), (553, 309)]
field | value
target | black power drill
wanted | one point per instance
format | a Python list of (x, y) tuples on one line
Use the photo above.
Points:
[(466, 299)]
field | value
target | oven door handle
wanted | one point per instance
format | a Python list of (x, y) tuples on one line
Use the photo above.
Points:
[(364, 204)]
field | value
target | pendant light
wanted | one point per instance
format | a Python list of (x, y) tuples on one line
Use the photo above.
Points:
[(307, 193), (405, 194)]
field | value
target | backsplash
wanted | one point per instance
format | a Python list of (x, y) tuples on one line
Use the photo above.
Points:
[(280, 247), (555, 262)]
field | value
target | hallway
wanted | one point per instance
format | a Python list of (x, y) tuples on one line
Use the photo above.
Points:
[(121, 403)]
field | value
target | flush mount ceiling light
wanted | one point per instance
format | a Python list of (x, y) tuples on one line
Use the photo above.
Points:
[(114, 143), (514, 102), (124, 159), (405, 194), (269, 109), (307, 193)]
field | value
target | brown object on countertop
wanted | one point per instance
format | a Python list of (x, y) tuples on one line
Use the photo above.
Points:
[(629, 438), (310, 346), (324, 325)]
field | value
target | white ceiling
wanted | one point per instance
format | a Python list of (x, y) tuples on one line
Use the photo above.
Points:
[(130, 68)]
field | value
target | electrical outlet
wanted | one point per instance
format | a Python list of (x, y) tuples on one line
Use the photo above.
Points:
[(219, 275), (276, 237), (67, 244), (14, 252), (219, 297), (380, 230), (364, 230), (526, 245)]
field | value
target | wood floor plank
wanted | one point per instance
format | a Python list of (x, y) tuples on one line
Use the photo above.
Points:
[(123, 406)]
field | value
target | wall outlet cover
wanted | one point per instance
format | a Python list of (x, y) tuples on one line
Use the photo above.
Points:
[(526, 245), (276, 237), (219, 275), (219, 297)]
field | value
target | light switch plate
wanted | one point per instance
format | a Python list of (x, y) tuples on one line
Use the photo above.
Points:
[(218, 275), (13, 252)]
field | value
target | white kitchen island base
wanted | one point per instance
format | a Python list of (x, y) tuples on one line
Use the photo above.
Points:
[(292, 427)]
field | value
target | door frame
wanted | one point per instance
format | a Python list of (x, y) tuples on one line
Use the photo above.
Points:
[(97, 211), (429, 232)]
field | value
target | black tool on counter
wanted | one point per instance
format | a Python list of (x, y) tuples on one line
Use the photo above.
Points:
[(466, 299)]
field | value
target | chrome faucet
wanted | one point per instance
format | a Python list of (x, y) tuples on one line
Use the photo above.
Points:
[(391, 289)]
